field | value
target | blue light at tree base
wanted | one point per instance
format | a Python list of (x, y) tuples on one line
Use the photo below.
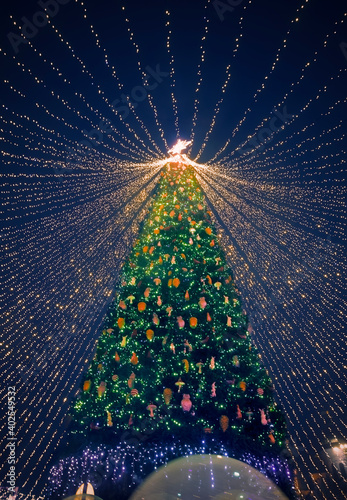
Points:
[(115, 472)]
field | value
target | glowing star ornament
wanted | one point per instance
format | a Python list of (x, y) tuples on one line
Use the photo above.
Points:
[(178, 148)]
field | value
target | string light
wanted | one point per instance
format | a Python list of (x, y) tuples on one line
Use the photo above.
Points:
[(172, 74), (71, 212)]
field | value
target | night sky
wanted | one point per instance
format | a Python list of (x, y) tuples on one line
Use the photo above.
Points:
[(89, 101)]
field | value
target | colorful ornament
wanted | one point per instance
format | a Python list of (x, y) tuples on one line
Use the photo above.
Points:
[(155, 319), (157, 281), (101, 389), (202, 302), (176, 282), (243, 386), (272, 437), (186, 365), (180, 383), (186, 295), (164, 340), (200, 365), (124, 341), (86, 385), (131, 298), (224, 422), (206, 339), (263, 417), (150, 334), (186, 343), (159, 301), (151, 407), (193, 322), (122, 304), (172, 347), (109, 419), (147, 292), (213, 391), (238, 413), (121, 322), (229, 323), (167, 394), (131, 380), (260, 391), (116, 357), (208, 317), (249, 414), (212, 363), (134, 359), (141, 306), (186, 402), (236, 361), (115, 378), (180, 322), (134, 392), (169, 310)]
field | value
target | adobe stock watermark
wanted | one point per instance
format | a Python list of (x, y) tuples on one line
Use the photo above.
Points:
[(29, 29), (300, 276), (122, 106), (11, 442), (140, 92), (222, 7), (265, 134)]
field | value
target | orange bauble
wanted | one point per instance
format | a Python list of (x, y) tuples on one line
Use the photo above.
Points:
[(121, 322), (208, 230), (134, 359), (176, 282), (141, 306), (86, 385), (193, 322), (150, 334)]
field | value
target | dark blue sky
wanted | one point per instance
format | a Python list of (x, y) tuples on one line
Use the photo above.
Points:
[(73, 198)]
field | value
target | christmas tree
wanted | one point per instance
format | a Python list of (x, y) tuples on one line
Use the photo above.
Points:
[(175, 362)]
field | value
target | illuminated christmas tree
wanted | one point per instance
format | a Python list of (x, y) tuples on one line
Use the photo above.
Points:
[(175, 362)]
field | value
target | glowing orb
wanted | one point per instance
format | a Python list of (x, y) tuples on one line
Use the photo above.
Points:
[(207, 476)]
